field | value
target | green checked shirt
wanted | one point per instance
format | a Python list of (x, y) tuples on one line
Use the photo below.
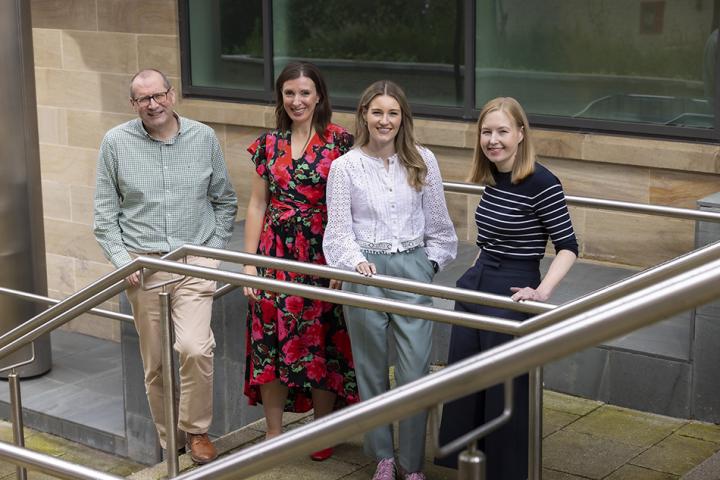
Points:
[(155, 196)]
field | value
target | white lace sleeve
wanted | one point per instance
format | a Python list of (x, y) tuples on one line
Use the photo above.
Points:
[(339, 245), (440, 237)]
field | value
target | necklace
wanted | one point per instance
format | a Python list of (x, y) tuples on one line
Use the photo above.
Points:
[(306, 143)]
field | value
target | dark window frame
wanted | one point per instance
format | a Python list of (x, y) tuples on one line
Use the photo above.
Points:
[(468, 112)]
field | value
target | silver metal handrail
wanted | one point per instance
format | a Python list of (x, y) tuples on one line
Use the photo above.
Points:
[(73, 308), (381, 281), (104, 288), (604, 204), (31, 297), (652, 303), (490, 323), (685, 291), (54, 466)]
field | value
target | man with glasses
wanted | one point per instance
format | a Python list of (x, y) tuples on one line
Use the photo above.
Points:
[(162, 183)]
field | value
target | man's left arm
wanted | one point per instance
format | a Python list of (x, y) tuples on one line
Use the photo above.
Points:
[(222, 197)]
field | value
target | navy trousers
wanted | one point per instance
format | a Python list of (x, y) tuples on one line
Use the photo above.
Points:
[(506, 449)]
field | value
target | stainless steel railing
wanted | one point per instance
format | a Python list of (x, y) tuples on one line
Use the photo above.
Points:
[(687, 290), (684, 291), (13, 341), (89, 297), (604, 204)]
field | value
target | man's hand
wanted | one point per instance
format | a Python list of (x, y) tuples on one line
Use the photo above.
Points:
[(133, 279)]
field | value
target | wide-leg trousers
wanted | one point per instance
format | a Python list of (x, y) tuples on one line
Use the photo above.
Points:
[(191, 311), (369, 335), (506, 449)]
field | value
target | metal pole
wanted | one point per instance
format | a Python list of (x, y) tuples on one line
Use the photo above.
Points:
[(604, 204), (471, 464), (535, 424), (17, 419), (171, 447), (53, 466)]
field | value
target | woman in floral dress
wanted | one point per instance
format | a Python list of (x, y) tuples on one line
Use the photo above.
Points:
[(298, 350)]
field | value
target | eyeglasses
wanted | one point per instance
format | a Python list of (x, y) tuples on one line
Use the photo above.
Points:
[(158, 97)]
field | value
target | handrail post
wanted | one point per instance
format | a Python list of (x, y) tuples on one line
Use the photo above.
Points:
[(17, 419), (535, 419), (168, 373), (471, 463)]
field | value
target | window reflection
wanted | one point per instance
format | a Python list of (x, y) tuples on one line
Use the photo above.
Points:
[(602, 59), (417, 43)]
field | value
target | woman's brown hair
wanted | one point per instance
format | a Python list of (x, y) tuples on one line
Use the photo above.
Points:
[(524, 164), (405, 143)]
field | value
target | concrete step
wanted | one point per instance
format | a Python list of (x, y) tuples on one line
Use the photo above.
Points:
[(582, 439), (707, 470), (348, 461)]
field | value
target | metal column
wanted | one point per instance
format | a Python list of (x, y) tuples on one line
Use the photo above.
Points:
[(22, 244)]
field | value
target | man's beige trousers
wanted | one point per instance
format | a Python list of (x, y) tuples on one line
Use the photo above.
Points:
[(190, 310)]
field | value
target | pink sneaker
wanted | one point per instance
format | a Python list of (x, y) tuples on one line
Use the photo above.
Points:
[(415, 476), (385, 470)]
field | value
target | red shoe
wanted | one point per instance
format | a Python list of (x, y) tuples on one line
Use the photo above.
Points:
[(322, 455)]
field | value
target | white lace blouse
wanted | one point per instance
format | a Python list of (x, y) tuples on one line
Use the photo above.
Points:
[(376, 210)]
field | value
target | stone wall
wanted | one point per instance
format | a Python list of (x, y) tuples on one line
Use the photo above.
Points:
[(87, 50)]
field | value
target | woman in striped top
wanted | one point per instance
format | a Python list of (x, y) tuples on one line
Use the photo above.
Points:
[(523, 205)]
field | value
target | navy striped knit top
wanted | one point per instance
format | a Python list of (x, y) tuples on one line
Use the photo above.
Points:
[(515, 220)]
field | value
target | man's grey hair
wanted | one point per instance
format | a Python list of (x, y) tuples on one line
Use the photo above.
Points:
[(146, 72)]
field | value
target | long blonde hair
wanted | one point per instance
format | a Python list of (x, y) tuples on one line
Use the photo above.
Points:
[(524, 164), (405, 143)]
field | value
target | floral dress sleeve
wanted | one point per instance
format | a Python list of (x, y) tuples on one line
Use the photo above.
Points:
[(259, 153), (344, 141)]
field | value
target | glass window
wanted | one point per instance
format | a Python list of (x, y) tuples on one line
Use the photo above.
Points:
[(646, 67), (226, 49), (417, 43), (647, 62)]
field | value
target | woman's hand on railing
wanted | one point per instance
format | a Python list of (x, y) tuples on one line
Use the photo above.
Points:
[(366, 268), (133, 279), (528, 293), (250, 292)]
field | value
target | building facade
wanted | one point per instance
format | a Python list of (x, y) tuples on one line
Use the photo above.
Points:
[(625, 116)]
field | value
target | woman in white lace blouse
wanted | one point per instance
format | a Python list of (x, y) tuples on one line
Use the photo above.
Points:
[(387, 215)]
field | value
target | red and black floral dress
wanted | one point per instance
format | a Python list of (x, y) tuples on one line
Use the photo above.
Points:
[(302, 342)]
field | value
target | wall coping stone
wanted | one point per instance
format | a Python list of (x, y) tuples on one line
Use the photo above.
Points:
[(593, 147)]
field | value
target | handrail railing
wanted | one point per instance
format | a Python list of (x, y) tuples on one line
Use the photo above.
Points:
[(605, 204), (57, 467), (381, 281), (7, 346), (687, 290), (104, 288), (31, 297), (112, 283)]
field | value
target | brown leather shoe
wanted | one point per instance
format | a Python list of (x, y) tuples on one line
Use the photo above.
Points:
[(201, 448)]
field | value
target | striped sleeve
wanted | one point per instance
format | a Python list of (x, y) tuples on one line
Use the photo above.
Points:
[(551, 209)]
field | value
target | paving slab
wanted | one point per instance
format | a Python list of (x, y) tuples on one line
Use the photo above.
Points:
[(677, 454), (66, 450), (548, 474), (302, 468), (554, 420), (569, 403), (704, 431), (626, 426), (632, 472), (586, 455), (101, 461)]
